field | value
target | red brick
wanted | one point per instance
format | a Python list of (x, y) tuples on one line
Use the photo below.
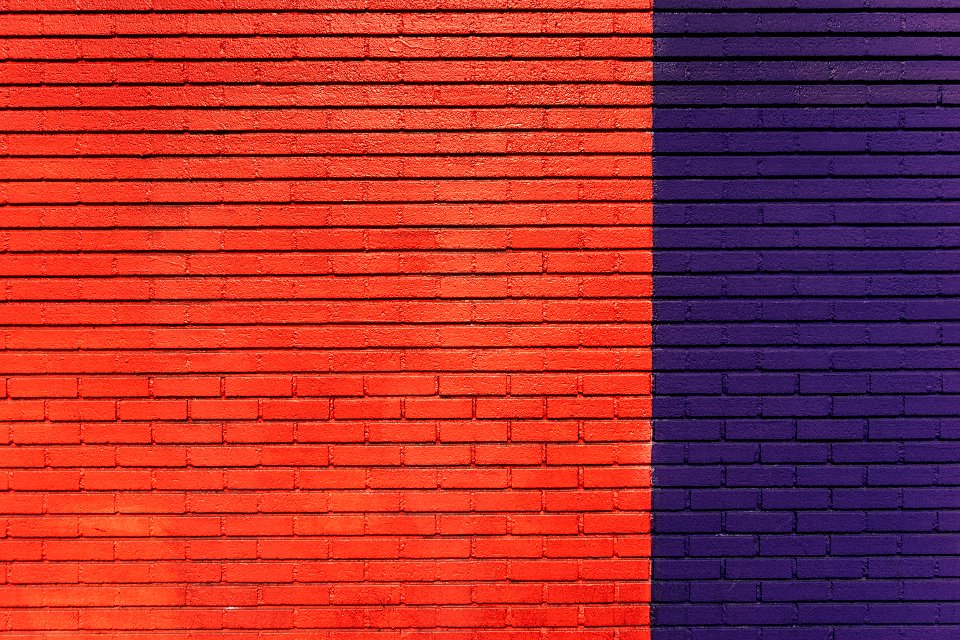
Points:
[(329, 386), (410, 385), (115, 387), (185, 387), (436, 455), (375, 408), (42, 387), (437, 408), (70, 410), (470, 385), (223, 409), (258, 386), (295, 409), (509, 408), (404, 431), (152, 409)]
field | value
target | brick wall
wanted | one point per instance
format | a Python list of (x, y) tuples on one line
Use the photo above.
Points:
[(333, 319), (806, 320), (325, 323)]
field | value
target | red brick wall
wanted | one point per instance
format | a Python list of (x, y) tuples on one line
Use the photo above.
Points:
[(325, 320)]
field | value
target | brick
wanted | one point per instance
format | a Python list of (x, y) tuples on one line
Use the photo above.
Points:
[(42, 387), (437, 408), (223, 409), (329, 385), (183, 386), (258, 386), (509, 408), (295, 409), (152, 409), (114, 387), (374, 408), (470, 385), (417, 385)]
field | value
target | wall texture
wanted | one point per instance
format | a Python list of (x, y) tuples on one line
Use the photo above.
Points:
[(806, 320), (333, 319), (325, 323)]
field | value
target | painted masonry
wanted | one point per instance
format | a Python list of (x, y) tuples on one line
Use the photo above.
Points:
[(480, 319)]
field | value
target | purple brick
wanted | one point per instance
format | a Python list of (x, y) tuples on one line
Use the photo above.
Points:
[(670, 592), (669, 546), (830, 568), (931, 590), (864, 545), (762, 383), (949, 613), (856, 452), (948, 521), (939, 405), (760, 429), (687, 383), (689, 614), (931, 498), (795, 591), (688, 569), (867, 406), (893, 567), (874, 633), (796, 633), (931, 544), (949, 567), (831, 521), (724, 591), (911, 428), (760, 614), (727, 452), (901, 382), (906, 475), (795, 452), (863, 498), (760, 568), (726, 499), (665, 476), (830, 476), (833, 383), (805, 406), (831, 429), (793, 499), (896, 521), (758, 522), (670, 453), (829, 613), (932, 452), (865, 590), (723, 545), (761, 475), (686, 430), (900, 613), (794, 545), (687, 522)]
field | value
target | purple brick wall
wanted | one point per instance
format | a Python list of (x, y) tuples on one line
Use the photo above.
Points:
[(807, 417)]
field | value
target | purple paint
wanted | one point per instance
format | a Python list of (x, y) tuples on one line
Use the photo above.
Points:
[(807, 309)]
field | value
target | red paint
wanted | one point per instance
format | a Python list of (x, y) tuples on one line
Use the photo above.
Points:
[(335, 337)]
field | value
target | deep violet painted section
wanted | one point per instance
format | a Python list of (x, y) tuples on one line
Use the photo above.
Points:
[(807, 337)]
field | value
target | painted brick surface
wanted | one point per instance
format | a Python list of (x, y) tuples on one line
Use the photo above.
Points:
[(325, 323), (806, 416)]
